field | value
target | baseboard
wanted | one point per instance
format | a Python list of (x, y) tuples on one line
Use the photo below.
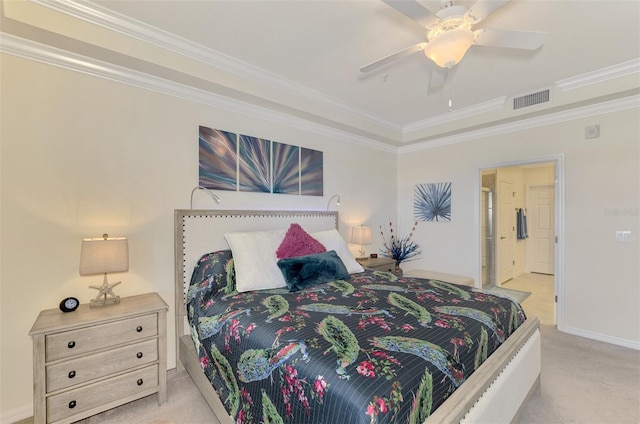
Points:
[(10, 417), (632, 344)]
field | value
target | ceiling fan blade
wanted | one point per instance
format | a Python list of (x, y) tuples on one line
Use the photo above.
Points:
[(393, 57), (415, 11), (528, 40), (482, 9)]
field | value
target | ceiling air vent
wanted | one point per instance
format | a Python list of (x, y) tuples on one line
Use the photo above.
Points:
[(531, 99)]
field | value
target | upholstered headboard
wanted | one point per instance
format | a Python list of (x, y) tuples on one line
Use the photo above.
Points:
[(198, 232)]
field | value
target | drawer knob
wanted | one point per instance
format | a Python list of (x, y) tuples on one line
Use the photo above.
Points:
[(139, 328), (71, 344), (72, 404), (72, 374), (140, 382), (139, 355)]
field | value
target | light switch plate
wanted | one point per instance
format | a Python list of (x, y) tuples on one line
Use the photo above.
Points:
[(624, 237)]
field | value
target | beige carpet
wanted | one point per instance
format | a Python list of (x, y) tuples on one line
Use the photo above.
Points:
[(583, 381), (184, 405)]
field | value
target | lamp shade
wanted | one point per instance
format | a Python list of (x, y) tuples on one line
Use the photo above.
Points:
[(102, 255), (448, 48), (361, 235)]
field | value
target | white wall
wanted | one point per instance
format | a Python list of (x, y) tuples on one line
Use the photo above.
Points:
[(602, 194), (82, 156)]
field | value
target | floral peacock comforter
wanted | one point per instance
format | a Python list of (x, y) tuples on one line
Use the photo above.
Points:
[(375, 348)]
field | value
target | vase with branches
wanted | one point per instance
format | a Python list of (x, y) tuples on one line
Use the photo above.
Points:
[(399, 248)]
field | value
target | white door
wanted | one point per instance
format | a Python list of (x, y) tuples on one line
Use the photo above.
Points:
[(505, 228), (540, 223)]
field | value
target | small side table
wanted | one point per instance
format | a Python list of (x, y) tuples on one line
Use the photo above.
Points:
[(94, 359), (378, 264)]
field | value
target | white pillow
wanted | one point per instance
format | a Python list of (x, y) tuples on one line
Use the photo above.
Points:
[(332, 240), (254, 257)]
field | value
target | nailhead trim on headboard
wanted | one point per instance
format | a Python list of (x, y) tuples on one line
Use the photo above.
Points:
[(202, 231)]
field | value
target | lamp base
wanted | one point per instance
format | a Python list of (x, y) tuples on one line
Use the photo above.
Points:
[(95, 303), (106, 296)]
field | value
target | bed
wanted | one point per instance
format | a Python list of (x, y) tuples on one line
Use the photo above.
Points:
[(349, 349)]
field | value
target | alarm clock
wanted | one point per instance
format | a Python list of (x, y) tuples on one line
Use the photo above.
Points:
[(69, 304)]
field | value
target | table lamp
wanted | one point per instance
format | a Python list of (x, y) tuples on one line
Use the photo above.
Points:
[(361, 235), (101, 256)]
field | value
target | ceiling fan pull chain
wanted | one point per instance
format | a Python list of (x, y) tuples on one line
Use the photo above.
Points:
[(449, 83)]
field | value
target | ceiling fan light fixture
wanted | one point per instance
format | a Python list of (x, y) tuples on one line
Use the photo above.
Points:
[(449, 33), (449, 47)]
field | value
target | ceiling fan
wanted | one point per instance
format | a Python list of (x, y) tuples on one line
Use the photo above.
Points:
[(449, 33)]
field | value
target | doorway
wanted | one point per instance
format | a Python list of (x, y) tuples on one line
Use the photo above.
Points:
[(540, 248), (517, 230)]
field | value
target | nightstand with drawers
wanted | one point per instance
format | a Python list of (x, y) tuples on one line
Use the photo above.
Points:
[(378, 264), (94, 359)]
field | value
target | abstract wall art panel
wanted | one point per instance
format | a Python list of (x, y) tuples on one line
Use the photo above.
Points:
[(254, 170), (218, 159), (311, 176), (229, 161), (286, 168), (432, 202)]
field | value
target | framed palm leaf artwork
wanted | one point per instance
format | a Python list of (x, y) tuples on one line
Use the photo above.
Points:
[(432, 202)]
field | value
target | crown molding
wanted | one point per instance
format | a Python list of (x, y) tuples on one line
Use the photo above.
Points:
[(113, 21), (455, 115), (583, 80), (624, 103), (27, 49), (600, 75)]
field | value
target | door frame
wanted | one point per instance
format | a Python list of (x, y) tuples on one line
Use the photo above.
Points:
[(559, 216)]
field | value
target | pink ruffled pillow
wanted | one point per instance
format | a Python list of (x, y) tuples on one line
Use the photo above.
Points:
[(297, 242)]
